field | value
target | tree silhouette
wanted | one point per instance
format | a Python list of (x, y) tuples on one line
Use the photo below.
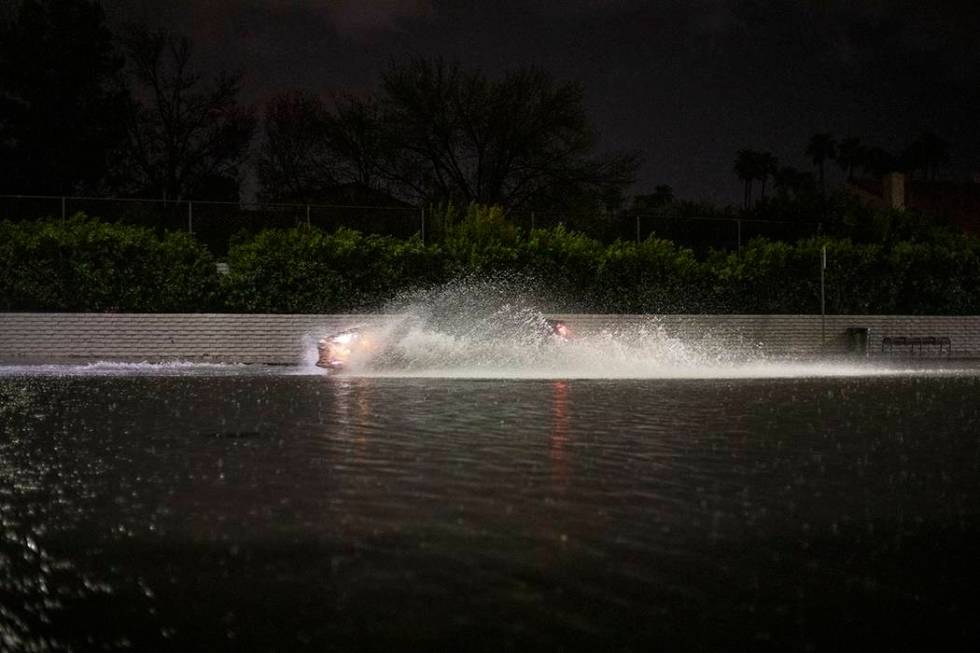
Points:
[(766, 166), (926, 154), (186, 138), (746, 168), (662, 195), (61, 97), (877, 161), (359, 139), (294, 163), (752, 165), (850, 154), (821, 148), (792, 182), (523, 141)]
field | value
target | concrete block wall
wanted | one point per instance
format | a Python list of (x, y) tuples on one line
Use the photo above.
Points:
[(289, 339), (795, 335), (153, 337)]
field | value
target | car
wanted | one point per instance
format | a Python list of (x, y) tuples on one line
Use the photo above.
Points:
[(336, 351)]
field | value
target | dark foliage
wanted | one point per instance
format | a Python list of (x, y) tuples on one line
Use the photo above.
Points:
[(295, 164), (311, 154), (311, 271), (82, 264), (61, 98), (86, 265), (187, 138), (520, 141), (437, 133)]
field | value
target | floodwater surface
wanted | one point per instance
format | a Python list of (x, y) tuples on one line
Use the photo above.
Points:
[(253, 508)]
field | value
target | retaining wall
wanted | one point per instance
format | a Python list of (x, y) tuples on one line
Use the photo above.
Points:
[(286, 339)]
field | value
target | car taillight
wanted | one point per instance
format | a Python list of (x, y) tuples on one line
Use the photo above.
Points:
[(562, 330)]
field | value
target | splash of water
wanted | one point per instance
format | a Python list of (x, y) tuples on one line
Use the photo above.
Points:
[(118, 368), (493, 329), (639, 352)]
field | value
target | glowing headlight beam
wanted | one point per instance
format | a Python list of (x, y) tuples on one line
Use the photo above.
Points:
[(344, 338)]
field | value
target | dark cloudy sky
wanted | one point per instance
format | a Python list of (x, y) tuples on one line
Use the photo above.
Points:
[(686, 82)]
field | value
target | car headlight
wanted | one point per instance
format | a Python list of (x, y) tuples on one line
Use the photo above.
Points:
[(344, 338)]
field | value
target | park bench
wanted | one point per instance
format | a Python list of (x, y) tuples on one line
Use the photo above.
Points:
[(888, 343)]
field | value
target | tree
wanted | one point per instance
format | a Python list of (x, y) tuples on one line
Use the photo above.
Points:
[(523, 141), (437, 133), (752, 165), (186, 138), (360, 141), (746, 168), (821, 148), (792, 182), (850, 154), (766, 166), (662, 195), (310, 152), (926, 154), (294, 163), (877, 161), (61, 97)]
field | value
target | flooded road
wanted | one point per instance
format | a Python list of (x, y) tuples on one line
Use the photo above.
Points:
[(217, 508)]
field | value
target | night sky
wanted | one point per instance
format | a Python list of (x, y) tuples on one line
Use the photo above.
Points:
[(687, 83)]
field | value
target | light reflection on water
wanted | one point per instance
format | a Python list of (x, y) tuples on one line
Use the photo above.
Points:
[(212, 509)]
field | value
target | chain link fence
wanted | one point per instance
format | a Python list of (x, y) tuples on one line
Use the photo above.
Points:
[(726, 233), (700, 233), (215, 223)]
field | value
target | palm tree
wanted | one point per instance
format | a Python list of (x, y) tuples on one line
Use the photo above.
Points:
[(850, 154), (662, 195), (820, 148), (746, 167), (877, 161), (927, 153), (791, 181), (766, 166)]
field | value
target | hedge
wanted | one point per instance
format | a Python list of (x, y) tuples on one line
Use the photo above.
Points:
[(304, 270), (83, 264)]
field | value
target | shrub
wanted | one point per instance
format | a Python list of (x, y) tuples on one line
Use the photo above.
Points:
[(481, 241), (652, 276), (304, 270), (83, 264)]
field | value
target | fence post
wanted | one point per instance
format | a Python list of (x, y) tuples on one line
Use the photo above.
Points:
[(307, 216), (190, 217), (823, 312), (532, 220), (739, 223), (637, 228), (64, 207), (422, 223)]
